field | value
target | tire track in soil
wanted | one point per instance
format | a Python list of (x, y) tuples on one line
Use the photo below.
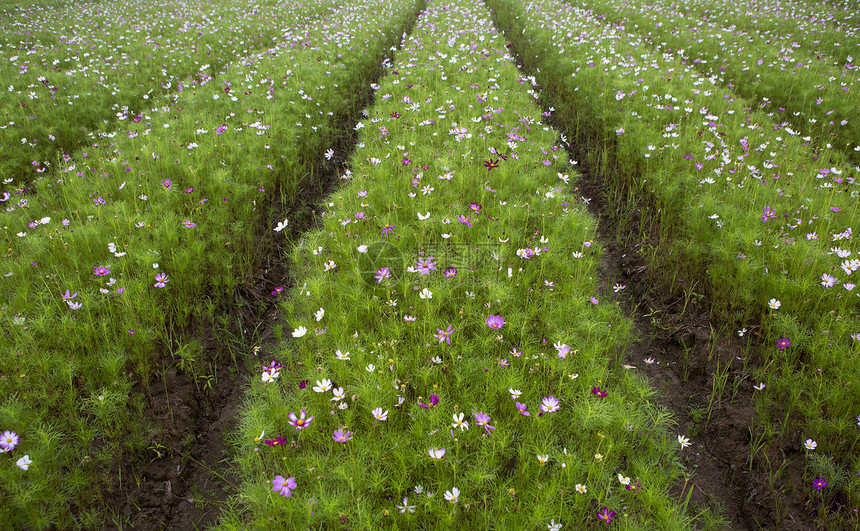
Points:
[(687, 347), (189, 478)]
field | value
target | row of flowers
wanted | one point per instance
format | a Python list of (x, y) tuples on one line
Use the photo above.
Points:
[(753, 209), (64, 77), (134, 240), (447, 330)]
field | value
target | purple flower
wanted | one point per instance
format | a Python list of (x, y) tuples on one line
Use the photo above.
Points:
[(167, 183), (445, 335), (382, 274), (101, 271), (490, 164), (596, 390), (819, 484), (188, 223), (769, 213), (782, 343), (284, 486), (495, 322), (67, 297), (342, 436), (550, 404), (279, 440), (606, 515), (8, 441), (278, 289), (482, 419), (594, 300), (464, 220), (451, 272), (475, 207), (388, 229), (161, 280), (522, 409), (434, 399), (425, 265), (299, 423)]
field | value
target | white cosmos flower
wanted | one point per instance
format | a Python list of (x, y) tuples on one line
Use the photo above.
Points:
[(24, 462), (282, 225), (322, 386), (362, 248), (300, 331), (426, 294), (436, 454), (378, 414), (319, 314), (452, 495), (422, 217)]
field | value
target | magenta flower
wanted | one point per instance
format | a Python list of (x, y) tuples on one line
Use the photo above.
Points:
[(67, 297), (769, 213), (301, 422), (596, 390), (464, 220), (594, 300), (475, 207), (161, 280), (8, 441), (783, 343), (522, 409), (819, 484), (495, 322), (434, 399), (382, 274), (451, 272), (550, 404), (342, 436), (284, 486), (388, 229), (482, 419), (425, 265), (167, 183), (444, 335), (606, 515), (101, 271), (188, 223), (490, 164), (279, 440)]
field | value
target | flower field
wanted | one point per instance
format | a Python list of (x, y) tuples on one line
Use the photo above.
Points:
[(372, 222)]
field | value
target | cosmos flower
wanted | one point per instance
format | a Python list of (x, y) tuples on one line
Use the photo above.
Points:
[(342, 435), (495, 322), (434, 399), (300, 422), (284, 486)]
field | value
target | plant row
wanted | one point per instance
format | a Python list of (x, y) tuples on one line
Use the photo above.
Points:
[(105, 267), (449, 361), (67, 72), (800, 88), (741, 205), (816, 27)]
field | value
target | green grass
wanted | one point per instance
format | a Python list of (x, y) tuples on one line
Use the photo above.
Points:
[(454, 71)]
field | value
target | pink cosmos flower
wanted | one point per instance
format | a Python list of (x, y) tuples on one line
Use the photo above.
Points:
[(434, 399), (299, 423), (550, 404), (284, 486), (101, 271), (495, 322)]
